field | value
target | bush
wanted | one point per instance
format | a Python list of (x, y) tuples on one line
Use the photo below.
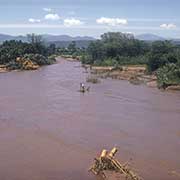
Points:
[(156, 61), (131, 60), (39, 59), (13, 65), (106, 62), (168, 75), (86, 59), (52, 59)]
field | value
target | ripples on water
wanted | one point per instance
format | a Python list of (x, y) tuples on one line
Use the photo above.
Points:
[(43, 116)]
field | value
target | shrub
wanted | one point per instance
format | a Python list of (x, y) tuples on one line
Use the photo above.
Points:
[(168, 75), (13, 65), (156, 61), (39, 59)]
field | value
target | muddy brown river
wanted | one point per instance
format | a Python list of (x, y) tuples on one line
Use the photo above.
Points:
[(50, 131)]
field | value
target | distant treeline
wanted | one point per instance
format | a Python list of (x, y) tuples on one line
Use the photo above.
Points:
[(115, 49), (65, 44)]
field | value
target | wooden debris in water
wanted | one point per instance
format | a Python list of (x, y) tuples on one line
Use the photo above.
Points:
[(107, 162)]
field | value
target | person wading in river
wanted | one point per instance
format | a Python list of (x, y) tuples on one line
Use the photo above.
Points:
[(82, 87)]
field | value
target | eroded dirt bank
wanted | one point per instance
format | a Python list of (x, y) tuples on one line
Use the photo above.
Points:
[(135, 74)]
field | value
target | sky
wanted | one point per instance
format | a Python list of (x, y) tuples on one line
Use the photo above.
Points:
[(90, 17)]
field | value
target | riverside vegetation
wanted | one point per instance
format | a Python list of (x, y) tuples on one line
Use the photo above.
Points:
[(124, 56), (18, 55), (158, 61)]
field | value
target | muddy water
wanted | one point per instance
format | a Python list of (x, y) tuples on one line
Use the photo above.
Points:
[(50, 131)]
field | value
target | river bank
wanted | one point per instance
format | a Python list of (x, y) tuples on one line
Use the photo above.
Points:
[(71, 58), (135, 74), (3, 69), (28, 62)]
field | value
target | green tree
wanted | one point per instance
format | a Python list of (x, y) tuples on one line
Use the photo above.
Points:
[(72, 47), (51, 49), (117, 47), (168, 75), (37, 44)]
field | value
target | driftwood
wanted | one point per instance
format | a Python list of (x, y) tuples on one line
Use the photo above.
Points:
[(107, 161)]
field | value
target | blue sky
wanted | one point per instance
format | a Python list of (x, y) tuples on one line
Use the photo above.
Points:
[(90, 17)]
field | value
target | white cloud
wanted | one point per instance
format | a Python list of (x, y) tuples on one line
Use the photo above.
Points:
[(111, 21), (72, 22), (47, 9), (168, 26), (34, 20), (52, 17)]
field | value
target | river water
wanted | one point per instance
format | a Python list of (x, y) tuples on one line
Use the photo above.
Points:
[(50, 131)]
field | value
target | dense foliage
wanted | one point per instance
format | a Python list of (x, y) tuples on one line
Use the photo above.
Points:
[(34, 50), (71, 50), (39, 59), (161, 53), (115, 49), (168, 75), (64, 44)]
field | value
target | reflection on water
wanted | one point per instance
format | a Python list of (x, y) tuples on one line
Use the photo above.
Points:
[(48, 130)]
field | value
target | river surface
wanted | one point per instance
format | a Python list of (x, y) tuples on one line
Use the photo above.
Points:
[(50, 131)]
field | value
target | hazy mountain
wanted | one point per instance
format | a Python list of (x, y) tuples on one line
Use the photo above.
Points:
[(48, 38), (4, 37), (176, 41), (149, 37), (81, 41)]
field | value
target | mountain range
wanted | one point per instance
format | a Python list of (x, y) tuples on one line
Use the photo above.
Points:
[(66, 38), (47, 38), (150, 37)]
